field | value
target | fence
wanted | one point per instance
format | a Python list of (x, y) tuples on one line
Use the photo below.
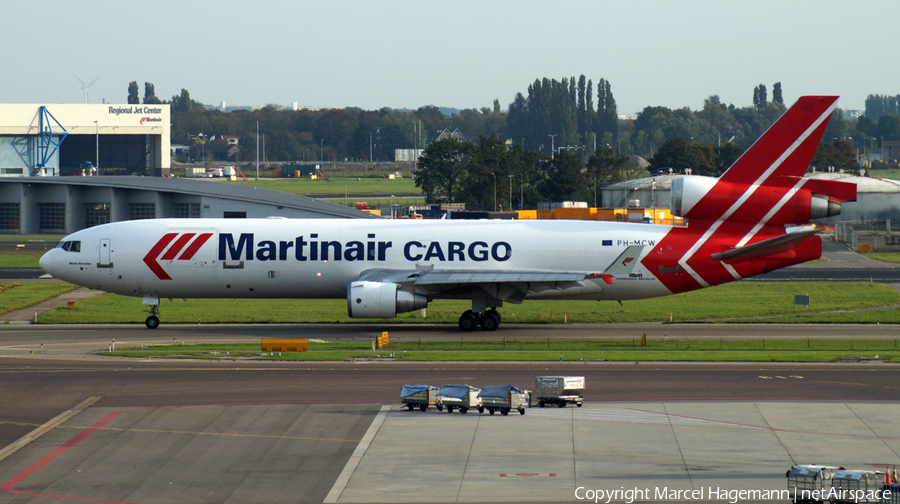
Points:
[(868, 236)]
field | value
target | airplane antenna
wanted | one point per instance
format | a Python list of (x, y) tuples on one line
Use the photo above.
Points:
[(86, 87)]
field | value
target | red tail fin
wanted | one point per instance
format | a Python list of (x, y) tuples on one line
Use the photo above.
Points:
[(765, 186), (787, 147), (737, 222)]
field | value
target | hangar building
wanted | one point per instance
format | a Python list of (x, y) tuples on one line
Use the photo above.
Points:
[(64, 139), (61, 205)]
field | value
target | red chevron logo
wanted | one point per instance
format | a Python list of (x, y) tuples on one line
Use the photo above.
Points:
[(187, 244)]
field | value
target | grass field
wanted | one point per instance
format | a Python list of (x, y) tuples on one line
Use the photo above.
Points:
[(892, 257), (740, 302), (15, 296), (757, 350), (336, 185)]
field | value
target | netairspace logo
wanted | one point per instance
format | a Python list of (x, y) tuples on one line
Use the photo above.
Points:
[(630, 495)]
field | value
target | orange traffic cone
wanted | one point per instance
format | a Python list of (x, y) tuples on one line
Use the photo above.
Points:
[(894, 475), (887, 476)]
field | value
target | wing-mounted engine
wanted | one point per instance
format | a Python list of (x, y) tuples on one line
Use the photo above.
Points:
[(381, 300), (785, 200)]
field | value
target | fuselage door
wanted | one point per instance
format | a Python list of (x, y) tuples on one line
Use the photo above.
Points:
[(105, 254)]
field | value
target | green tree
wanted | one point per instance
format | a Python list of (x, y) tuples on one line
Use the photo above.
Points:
[(726, 155), (603, 167), (150, 94), (679, 155), (840, 155), (183, 102), (776, 94), (566, 179), (443, 170), (888, 127), (607, 123), (133, 90)]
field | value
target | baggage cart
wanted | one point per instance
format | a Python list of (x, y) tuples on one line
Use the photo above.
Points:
[(417, 396), (809, 482), (848, 485), (559, 390), (504, 398), (894, 496), (458, 396)]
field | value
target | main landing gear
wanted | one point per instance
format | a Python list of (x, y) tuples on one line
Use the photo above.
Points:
[(488, 320)]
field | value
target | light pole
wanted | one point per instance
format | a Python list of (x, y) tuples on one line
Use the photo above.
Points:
[(322, 147), (97, 147), (495, 191), (552, 145), (510, 191), (257, 150)]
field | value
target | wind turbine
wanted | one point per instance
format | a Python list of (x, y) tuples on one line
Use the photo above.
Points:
[(85, 87)]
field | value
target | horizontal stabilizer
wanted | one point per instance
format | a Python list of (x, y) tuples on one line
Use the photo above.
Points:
[(765, 247)]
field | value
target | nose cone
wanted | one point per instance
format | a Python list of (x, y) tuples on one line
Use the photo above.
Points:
[(47, 261)]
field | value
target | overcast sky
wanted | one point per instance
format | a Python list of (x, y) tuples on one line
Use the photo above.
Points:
[(463, 54)]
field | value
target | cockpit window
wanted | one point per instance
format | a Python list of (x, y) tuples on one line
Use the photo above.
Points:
[(70, 246)]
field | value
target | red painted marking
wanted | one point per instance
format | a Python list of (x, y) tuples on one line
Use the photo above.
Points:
[(150, 258), (177, 246), (10, 485), (627, 260), (194, 247)]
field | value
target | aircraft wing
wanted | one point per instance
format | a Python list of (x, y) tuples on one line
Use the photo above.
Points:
[(506, 285)]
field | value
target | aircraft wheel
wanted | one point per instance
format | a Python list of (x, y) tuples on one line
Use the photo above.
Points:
[(495, 312), (423, 407), (152, 322), (491, 321), (467, 321)]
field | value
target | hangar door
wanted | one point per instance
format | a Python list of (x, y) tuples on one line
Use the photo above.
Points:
[(119, 154)]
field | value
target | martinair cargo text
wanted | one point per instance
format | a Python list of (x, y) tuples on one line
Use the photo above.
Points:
[(753, 219)]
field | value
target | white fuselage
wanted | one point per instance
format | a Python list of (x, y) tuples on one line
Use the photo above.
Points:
[(319, 258)]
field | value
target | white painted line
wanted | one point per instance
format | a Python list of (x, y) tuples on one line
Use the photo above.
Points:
[(357, 456), (47, 427)]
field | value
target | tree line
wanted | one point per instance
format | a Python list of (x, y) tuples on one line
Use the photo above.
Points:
[(489, 174), (572, 115)]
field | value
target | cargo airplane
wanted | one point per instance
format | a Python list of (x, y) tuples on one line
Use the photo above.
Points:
[(753, 219)]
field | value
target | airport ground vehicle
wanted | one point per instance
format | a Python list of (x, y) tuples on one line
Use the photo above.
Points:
[(459, 396), (812, 483), (805, 481), (848, 483), (417, 396), (559, 390), (504, 398)]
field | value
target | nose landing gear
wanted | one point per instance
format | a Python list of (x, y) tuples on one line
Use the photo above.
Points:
[(152, 321)]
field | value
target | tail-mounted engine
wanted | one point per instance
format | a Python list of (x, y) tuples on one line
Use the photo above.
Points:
[(789, 200), (381, 300)]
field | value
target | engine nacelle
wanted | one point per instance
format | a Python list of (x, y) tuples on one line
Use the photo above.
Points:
[(381, 300), (693, 198)]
